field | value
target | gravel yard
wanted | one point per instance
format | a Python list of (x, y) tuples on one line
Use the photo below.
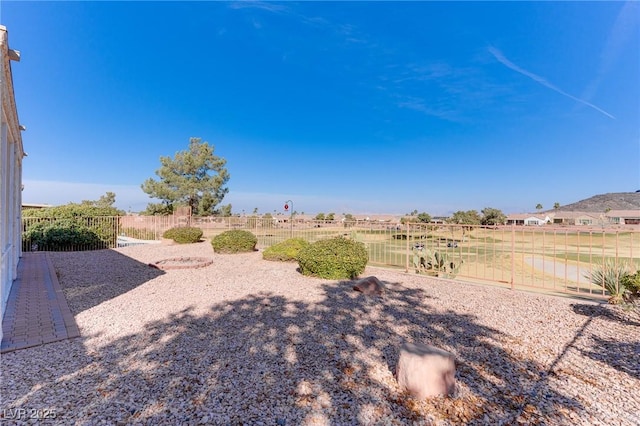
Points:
[(247, 341)]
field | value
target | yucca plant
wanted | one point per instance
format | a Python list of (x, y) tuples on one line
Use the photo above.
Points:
[(610, 276)]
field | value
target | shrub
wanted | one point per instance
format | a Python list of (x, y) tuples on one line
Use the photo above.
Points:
[(138, 233), (183, 234), (333, 258), (285, 251), (631, 284), (100, 221), (62, 235), (234, 241)]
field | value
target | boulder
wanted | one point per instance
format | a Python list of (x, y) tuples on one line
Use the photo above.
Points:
[(370, 286), (425, 371)]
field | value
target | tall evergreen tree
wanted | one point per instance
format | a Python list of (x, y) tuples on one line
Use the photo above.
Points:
[(195, 177)]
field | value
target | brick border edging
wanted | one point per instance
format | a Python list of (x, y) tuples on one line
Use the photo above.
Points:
[(68, 318)]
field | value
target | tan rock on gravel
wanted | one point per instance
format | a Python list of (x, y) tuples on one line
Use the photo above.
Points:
[(425, 370), (370, 286)]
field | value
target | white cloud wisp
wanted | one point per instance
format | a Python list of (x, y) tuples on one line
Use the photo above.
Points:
[(506, 62)]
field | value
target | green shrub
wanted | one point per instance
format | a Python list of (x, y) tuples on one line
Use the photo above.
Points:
[(234, 241), (631, 283), (61, 235), (333, 258), (138, 233), (183, 234), (101, 221), (285, 251)]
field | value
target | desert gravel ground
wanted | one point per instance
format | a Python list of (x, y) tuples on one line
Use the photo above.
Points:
[(248, 341)]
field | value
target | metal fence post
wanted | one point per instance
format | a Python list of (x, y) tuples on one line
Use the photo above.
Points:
[(513, 254), (407, 255)]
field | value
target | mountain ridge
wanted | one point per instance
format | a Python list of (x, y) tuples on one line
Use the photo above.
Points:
[(602, 203)]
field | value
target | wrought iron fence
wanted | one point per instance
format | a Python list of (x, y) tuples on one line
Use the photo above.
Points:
[(547, 258)]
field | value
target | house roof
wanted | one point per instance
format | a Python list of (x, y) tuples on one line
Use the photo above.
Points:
[(524, 216), (576, 215)]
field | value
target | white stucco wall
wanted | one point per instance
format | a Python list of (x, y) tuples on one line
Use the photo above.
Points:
[(11, 154)]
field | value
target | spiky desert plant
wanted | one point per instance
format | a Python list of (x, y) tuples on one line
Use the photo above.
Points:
[(609, 276)]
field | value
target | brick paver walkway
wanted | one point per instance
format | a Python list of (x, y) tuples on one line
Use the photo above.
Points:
[(37, 311)]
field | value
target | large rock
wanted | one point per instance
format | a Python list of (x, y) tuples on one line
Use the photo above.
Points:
[(371, 286), (425, 370)]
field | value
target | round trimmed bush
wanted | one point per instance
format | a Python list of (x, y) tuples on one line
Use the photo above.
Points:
[(183, 234), (333, 258), (285, 251), (234, 241)]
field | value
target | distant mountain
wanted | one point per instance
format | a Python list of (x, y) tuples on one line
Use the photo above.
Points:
[(603, 202)]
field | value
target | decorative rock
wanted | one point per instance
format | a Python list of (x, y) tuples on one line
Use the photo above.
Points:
[(370, 286), (425, 370)]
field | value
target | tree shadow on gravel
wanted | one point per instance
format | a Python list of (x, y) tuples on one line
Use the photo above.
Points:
[(266, 358), (84, 290), (603, 311), (619, 355), (623, 356)]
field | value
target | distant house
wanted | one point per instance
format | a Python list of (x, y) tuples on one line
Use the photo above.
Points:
[(623, 217), (576, 218), (11, 154), (527, 219)]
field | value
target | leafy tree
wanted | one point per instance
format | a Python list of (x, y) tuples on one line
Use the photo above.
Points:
[(556, 205), (349, 217), (330, 216), (195, 177), (106, 200), (223, 211), (539, 207), (424, 217), (491, 216), (158, 209), (319, 216), (415, 217), (470, 217)]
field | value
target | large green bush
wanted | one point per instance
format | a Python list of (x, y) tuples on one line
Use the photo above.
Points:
[(285, 251), (234, 241), (61, 235), (333, 258), (70, 227), (183, 234)]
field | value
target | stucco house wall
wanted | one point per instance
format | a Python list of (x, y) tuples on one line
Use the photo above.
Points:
[(11, 155), (624, 217)]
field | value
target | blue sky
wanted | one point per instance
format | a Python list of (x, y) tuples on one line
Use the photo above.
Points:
[(345, 107)]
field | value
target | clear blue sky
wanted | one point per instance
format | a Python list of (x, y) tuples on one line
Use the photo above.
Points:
[(345, 107)]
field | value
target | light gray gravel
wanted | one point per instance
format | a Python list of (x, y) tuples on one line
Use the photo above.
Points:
[(247, 341)]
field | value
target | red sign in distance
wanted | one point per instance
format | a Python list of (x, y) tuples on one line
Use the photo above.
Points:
[(286, 207)]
